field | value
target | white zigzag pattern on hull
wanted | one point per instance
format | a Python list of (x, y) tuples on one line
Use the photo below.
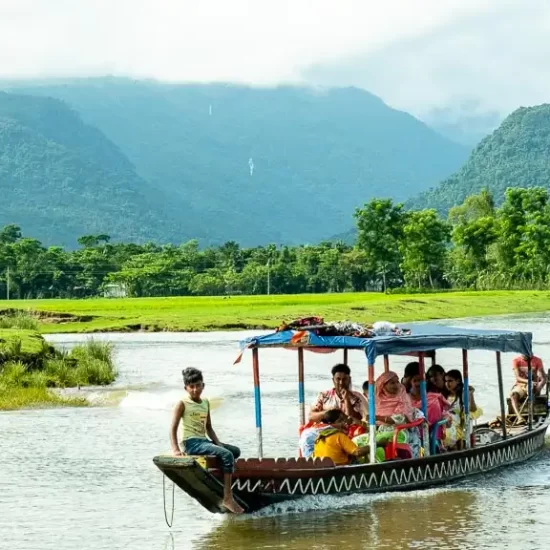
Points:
[(407, 476), (246, 485), (419, 474)]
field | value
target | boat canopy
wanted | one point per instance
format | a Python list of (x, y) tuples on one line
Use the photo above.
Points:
[(423, 337)]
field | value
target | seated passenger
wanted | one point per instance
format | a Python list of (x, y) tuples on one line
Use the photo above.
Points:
[(436, 375), (393, 406), (437, 406), (454, 434), (410, 370), (333, 443), (351, 403), (308, 436), (519, 391)]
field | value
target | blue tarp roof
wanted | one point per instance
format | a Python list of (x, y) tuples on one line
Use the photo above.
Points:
[(423, 337)]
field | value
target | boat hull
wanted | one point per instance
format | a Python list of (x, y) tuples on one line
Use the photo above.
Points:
[(259, 483)]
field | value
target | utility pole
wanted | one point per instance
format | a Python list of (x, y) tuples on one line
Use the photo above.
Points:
[(8, 284), (268, 276)]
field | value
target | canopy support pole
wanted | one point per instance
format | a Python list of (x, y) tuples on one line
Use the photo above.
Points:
[(434, 361), (530, 392), (501, 396), (423, 393), (257, 401), (466, 399), (424, 404), (372, 417), (386, 362), (345, 356), (301, 394)]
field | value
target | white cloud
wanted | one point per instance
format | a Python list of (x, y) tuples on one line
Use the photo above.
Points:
[(416, 54), (492, 61), (254, 41)]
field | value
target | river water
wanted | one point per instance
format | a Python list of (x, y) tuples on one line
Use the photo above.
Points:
[(83, 478)]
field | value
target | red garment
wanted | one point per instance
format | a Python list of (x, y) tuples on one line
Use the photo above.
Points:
[(355, 430), (521, 363), (437, 407)]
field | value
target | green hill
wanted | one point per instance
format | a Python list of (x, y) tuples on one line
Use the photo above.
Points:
[(262, 165), (60, 178), (514, 155)]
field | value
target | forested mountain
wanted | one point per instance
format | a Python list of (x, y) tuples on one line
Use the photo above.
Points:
[(60, 178), (514, 155), (262, 165)]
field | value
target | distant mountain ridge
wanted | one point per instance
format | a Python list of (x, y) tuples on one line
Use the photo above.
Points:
[(516, 154), (284, 165), (60, 178)]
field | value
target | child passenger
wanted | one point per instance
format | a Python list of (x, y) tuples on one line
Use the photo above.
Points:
[(194, 414), (333, 443), (454, 434)]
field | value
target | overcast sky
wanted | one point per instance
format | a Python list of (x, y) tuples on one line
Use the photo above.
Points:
[(416, 54)]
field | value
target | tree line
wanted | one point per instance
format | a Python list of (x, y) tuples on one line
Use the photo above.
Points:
[(478, 246)]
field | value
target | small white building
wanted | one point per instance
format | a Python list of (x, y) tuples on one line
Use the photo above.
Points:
[(115, 290)]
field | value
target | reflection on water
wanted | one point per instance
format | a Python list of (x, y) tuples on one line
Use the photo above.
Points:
[(434, 519), (84, 479)]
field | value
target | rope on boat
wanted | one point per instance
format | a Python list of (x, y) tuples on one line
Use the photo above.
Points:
[(171, 522)]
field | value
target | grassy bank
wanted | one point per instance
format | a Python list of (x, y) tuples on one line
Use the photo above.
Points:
[(255, 312), (30, 369), (13, 398)]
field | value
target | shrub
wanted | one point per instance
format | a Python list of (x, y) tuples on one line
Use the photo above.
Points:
[(94, 372), (14, 373), (11, 351), (38, 379), (94, 349), (60, 373)]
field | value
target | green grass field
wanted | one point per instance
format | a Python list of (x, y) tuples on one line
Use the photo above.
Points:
[(258, 312), (31, 342)]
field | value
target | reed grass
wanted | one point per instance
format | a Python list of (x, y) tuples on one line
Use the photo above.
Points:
[(93, 349)]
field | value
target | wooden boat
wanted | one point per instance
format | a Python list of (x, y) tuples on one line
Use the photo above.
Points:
[(259, 481)]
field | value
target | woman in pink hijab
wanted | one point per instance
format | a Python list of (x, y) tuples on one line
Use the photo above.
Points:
[(393, 406), (392, 399)]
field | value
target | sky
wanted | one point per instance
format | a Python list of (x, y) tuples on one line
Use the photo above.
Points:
[(418, 55)]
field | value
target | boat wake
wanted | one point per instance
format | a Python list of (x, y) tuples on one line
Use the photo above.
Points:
[(334, 502), (158, 400), (133, 397)]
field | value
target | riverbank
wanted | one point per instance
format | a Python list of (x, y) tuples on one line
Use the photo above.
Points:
[(191, 314), (31, 370), (13, 398)]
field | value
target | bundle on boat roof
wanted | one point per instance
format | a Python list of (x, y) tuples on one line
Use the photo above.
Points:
[(423, 337)]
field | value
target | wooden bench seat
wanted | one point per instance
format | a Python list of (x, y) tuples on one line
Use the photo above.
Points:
[(539, 407)]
